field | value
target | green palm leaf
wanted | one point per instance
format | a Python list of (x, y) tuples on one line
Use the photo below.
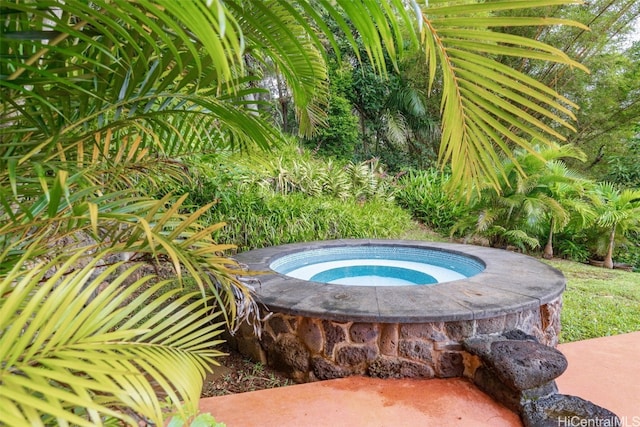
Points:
[(65, 345), (485, 104), (122, 222)]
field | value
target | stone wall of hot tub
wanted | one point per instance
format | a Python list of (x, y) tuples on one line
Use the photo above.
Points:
[(309, 349)]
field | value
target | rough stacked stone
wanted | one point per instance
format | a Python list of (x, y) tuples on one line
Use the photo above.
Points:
[(310, 349), (518, 371)]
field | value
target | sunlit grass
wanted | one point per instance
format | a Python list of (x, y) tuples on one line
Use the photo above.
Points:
[(598, 302)]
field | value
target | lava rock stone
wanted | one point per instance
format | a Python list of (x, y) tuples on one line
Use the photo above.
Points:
[(521, 363), (325, 370), (561, 409), (525, 364)]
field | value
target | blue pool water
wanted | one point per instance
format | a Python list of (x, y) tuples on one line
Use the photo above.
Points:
[(377, 266), (373, 273)]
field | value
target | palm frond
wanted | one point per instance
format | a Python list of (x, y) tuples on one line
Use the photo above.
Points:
[(486, 104), (167, 86), (74, 339), (294, 51), (123, 222)]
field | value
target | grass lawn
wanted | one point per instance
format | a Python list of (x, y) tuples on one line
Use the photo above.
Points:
[(598, 302)]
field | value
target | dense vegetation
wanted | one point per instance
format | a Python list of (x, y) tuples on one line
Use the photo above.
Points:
[(293, 195), (133, 131)]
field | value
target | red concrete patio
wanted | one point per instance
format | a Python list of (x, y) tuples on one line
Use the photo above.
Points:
[(603, 370)]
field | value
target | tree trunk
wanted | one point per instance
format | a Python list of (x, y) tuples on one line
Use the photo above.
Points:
[(608, 259), (363, 131), (285, 114), (548, 248), (283, 99)]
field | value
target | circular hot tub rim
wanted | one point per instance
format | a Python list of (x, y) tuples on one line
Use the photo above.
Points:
[(510, 282)]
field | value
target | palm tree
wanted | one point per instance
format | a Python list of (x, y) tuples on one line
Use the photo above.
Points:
[(543, 193), (617, 213), (569, 190), (101, 99)]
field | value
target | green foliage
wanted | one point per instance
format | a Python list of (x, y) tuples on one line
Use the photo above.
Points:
[(629, 253), (425, 195), (573, 246), (607, 96), (539, 196), (623, 168), (97, 108), (340, 136), (273, 219), (617, 215), (609, 114), (199, 420), (293, 196), (113, 332), (398, 123), (315, 177), (307, 200)]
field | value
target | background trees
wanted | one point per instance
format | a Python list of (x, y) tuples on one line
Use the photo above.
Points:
[(607, 97)]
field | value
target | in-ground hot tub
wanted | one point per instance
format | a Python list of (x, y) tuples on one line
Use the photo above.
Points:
[(392, 308), (377, 265)]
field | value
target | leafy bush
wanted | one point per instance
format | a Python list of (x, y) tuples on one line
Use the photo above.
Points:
[(314, 177), (537, 197), (629, 253), (572, 246), (623, 169), (258, 219), (340, 136), (617, 216), (284, 201), (424, 194)]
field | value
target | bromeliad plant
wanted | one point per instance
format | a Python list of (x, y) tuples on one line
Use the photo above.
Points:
[(100, 100)]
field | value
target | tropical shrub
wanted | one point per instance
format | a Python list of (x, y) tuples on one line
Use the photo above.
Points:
[(315, 177), (259, 219), (629, 253), (313, 200), (427, 197), (623, 169), (340, 135), (573, 245), (539, 196)]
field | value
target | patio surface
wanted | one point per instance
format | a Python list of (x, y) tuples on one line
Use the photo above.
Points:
[(605, 371)]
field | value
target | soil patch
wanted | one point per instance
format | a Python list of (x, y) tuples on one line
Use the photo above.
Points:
[(238, 374)]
